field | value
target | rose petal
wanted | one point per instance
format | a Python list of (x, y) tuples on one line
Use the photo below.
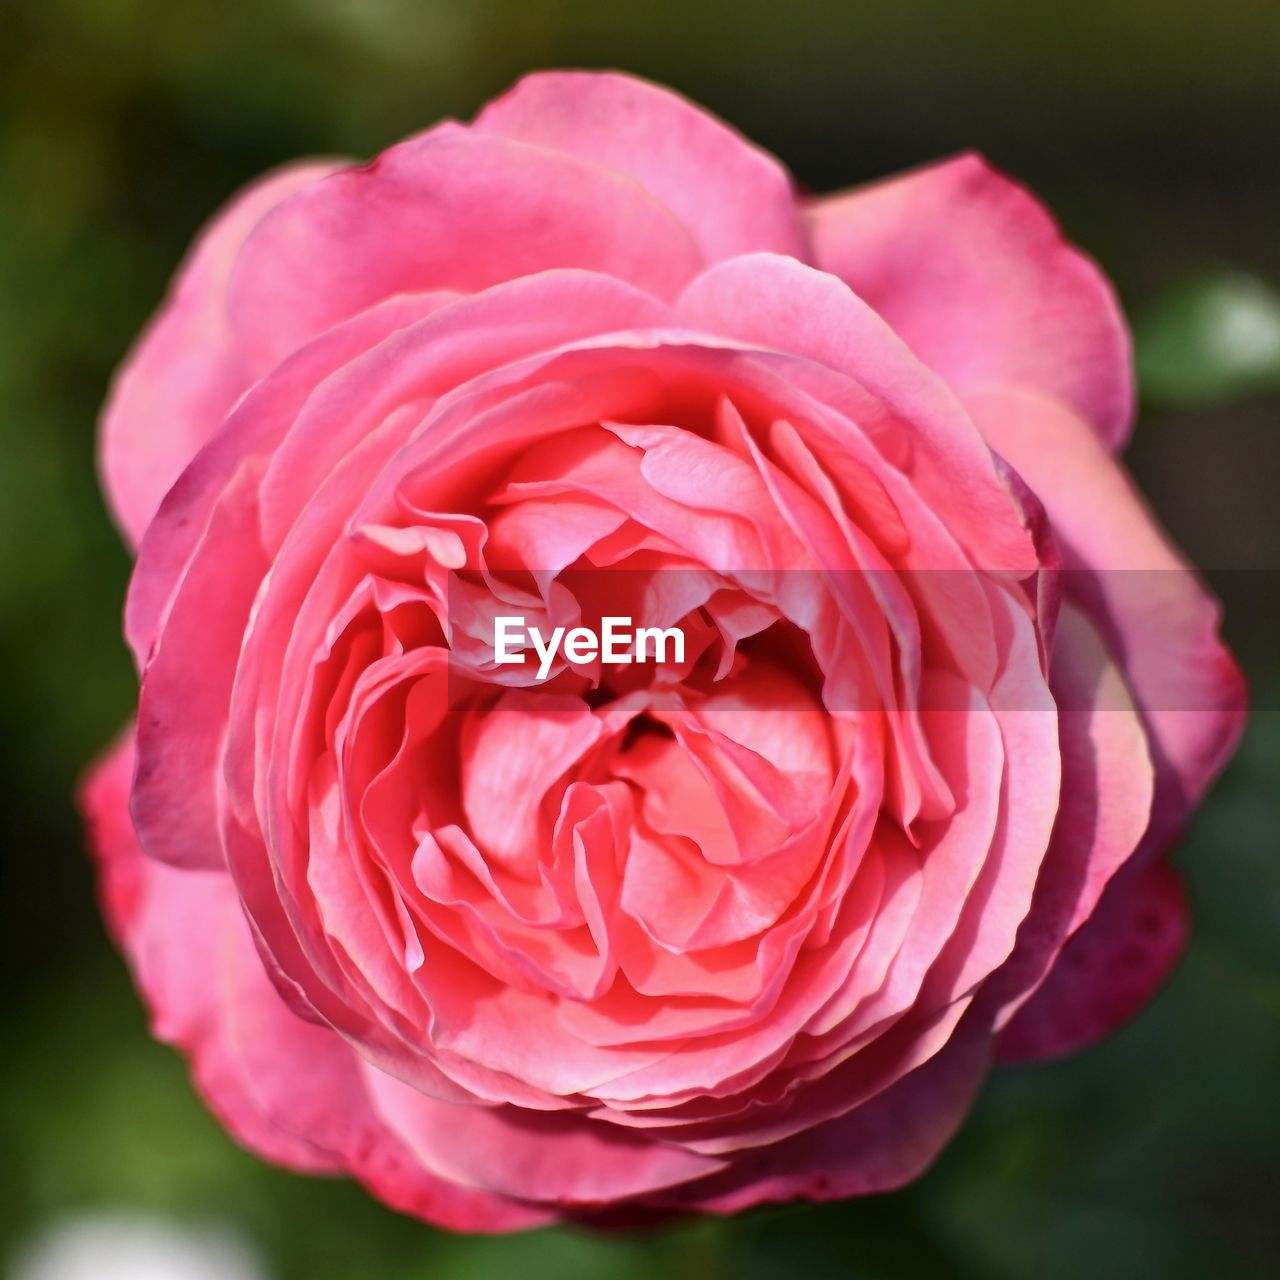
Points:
[(732, 196), (560, 1159), (778, 303), (1155, 614), (187, 369), (975, 276), (288, 1090), (1108, 971), (878, 1146), (1107, 789), (448, 209)]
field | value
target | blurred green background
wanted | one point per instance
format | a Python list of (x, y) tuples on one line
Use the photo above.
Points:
[(1150, 126)]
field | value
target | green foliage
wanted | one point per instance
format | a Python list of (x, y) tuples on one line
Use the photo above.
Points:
[(1211, 340)]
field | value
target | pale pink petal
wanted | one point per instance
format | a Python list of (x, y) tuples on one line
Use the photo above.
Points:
[(253, 426), (449, 209), (973, 273), (732, 196), (187, 369), (511, 756)]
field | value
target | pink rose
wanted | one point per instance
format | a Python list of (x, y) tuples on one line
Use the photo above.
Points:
[(692, 935)]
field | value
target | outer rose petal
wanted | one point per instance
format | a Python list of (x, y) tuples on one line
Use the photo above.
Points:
[(1109, 970), (1161, 625), (732, 196), (562, 1159), (289, 1090), (1108, 783), (976, 277), (182, 517), (878, 1146), (448, 209), (1155, 614), (187, 370)]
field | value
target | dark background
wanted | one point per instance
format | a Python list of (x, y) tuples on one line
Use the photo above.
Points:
[(1149, 126)]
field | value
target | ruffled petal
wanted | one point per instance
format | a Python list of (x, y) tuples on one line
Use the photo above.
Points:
[(289, 1090)]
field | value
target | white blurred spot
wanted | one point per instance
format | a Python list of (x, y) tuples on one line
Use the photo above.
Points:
[(1242, 319), (128, 1246)]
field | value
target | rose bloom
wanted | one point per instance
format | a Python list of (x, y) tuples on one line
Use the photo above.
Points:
[(685, 936)]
